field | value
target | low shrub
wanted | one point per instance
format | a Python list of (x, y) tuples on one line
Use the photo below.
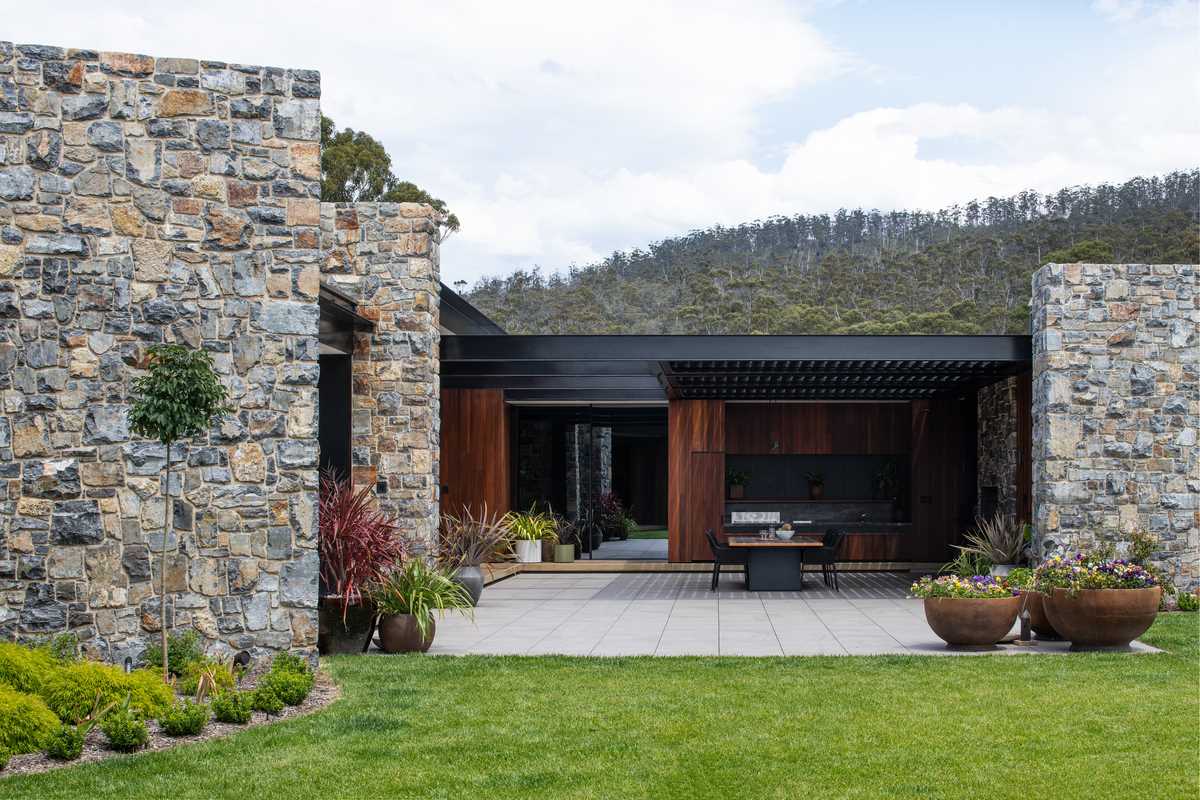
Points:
[(1188, 601), (4, 756), (26, 724), (289, 662), (232, 706), (23, 668), (265, 699), (182, 649), (124, 730), (220, 673), (291, 687), (72, 690), (65, 744), (185, 718)]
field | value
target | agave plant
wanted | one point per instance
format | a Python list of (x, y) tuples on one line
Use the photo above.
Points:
[(1000, 539), (419, 589), (470, 538), (358, 542)]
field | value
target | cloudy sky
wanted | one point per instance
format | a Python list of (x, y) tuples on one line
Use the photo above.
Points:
[(561, 131)]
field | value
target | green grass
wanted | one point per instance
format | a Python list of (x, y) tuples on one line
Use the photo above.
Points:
[(1081, 726), (649, 533)]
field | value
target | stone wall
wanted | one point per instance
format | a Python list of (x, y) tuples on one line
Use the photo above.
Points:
[(147, 200), (996, 437), (1116, 407), (385, 256)]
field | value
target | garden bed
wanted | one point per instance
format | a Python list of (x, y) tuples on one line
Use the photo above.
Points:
[(324, 692)]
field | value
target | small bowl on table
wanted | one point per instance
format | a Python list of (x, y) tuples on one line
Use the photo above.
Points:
[(785, 536)]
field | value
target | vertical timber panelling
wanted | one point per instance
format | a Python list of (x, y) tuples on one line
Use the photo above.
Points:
[(706, 502), (693, 426), (475, 451), (939, 489)]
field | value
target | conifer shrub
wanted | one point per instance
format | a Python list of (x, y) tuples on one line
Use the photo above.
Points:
[(26, 724), (23, 668), (66, 743), (124, 730), (232, 706), (266, 700), (185, 718)]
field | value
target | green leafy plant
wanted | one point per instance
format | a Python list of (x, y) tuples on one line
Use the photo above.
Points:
[(26, 723), (290, 687), (265, 699), (124, 730), (419, 589), (204, 676), (1141, 547), (64, 647), (470, 538), (1188, 601), (289, 662), (815, 478), (65, 744), (179, 397), (1021, 578), (531, 526), (23, 668), (1000, 539), (967, 564), (184, 718), (4, 757), (736, 477), (182, 649), (232, 706), (71, 691)]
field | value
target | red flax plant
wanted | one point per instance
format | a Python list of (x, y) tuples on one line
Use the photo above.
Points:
[(358, 541)]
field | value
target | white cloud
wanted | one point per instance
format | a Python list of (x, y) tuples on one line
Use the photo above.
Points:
[(561, 131)]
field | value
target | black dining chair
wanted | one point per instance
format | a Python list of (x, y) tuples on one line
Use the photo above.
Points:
[(827, 554), (722, 554)]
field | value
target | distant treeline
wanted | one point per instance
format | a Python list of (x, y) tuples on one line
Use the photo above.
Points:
[(963, 269)]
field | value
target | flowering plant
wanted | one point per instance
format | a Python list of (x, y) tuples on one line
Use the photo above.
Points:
[(1083, 572), (975, 587)]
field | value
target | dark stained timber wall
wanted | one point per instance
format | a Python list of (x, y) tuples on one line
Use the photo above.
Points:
[(475, 451)]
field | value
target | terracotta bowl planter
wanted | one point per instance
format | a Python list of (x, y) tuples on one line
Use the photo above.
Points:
[(1038, 621), (1102, 618), (350, 633), (971, 622), (398, 634)]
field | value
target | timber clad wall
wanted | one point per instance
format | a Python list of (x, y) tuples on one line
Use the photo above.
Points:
[(475, 466)]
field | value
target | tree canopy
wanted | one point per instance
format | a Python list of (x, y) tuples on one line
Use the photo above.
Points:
[(355, 167)]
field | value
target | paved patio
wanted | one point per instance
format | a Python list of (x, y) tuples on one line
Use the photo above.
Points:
[(632, 550), (675, 614)]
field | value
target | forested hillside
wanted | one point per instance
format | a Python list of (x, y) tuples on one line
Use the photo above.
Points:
[(964, 269)]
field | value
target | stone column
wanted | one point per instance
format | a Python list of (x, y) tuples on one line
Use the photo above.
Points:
[(1116, 403)]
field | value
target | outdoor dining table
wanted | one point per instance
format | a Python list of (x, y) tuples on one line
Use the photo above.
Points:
[(774, 565)]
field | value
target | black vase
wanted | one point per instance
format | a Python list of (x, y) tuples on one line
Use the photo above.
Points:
[(344, 633)]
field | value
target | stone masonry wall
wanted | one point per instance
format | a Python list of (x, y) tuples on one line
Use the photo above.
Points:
[(385, 256), (1116, 408), (147, 200), (997, 445)]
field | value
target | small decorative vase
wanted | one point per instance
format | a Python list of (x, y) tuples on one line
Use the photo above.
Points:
[(398, 633), (470, 578)]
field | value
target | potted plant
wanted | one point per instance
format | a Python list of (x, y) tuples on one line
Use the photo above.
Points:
[(1032, 601), (816, 485), (1000, 539), (612, 516), (407, 597), (569, 540), (528, 530), (1096, 603), (973, 612), (468, 540), (736, 479), (357, 542)]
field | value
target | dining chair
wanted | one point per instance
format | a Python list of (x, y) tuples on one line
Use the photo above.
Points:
[(722, 554), (827, 555)]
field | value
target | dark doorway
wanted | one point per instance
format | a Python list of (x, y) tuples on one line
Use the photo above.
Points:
[(334, 419)]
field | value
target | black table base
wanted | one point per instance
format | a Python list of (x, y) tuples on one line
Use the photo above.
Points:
[(775, 569)]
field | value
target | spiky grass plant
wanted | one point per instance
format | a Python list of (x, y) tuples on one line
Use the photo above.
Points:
[(470, 538), (419, 589), (1000, 539), (358, 541)]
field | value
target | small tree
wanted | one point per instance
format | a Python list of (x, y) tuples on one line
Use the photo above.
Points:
[(179, 397)]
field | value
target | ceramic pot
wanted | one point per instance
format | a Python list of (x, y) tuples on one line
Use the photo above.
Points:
[(816, 491), (529, 551), (971, 622), (564, 553), (471, 579), (349, 633), (1038, 621), (1102, 619), (398, 633), (737, 492)]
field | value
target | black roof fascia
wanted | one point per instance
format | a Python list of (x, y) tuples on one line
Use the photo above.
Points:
[(463, 319)]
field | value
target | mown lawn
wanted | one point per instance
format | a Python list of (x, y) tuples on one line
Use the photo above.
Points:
[(649, 533), (1081, 726)]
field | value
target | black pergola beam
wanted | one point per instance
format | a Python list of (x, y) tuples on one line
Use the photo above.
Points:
[(586, 395), (502, 368), (626, 382)]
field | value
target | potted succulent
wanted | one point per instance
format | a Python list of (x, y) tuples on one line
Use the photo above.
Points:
[(467, 541), (1098, 604), (816, 485), (528, 530), (1000, 539), (407, 597), (736, 479), (1032, 601), (975, 612), (357, 543)]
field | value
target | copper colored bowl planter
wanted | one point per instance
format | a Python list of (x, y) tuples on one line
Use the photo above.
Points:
[(971, 622), (1035, 602), (398, 634), (1102, 618)]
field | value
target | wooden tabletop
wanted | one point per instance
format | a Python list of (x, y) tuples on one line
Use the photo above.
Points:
[(754, 541)]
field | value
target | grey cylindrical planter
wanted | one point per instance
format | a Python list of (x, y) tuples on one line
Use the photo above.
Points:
[(471, 579), (564, 553)]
